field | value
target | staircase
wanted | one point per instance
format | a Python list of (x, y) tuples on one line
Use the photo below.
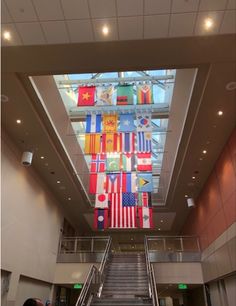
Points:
[(126, 282)]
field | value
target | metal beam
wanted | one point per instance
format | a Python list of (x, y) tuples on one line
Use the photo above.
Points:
[(117, 80)]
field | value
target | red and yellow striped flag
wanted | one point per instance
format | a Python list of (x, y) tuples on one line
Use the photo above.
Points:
[(92, 143)]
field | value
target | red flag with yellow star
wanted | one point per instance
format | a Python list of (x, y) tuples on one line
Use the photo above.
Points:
[(86, 95)]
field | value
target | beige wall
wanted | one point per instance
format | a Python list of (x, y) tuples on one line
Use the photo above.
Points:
[(175, 273), (31, 222), (71, 273)]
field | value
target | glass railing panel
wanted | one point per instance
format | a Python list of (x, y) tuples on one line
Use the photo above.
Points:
[(156, 245), (99, 245), (173, 244), (190, 244), (84, 245)]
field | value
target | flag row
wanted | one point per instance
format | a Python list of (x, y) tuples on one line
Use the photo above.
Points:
[(109, 95), (129, 142), (97, 123), (127, 162), (119, 217), (101, 183), (143, 199)]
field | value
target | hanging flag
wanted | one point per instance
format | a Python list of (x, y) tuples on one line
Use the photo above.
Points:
[(113, 184), (101, 200), (145, 182), (98, 163), (145, 217), (144, 94), (105, 95), (128, 162), (100, 218), (129, 182), (121, 217), (97, 183), (86, 95), (109, 123), (110, 142), (125, 94), (144, 162), (144, 143), (93, 123), (127, 144), (144, 122), (113, 162), (92, 143), (145, 199), (127, 123), (128, 199)]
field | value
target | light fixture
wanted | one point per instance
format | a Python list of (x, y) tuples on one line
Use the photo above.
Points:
[(208, 23), (58, 182), (18, 121), (186, 196), (230, 86), (161, 221), (193, 177), (7, 35), (219, 113), (159, 229), (190, 202), (105, 30), (42, 157), (204, 151), (69, 198)]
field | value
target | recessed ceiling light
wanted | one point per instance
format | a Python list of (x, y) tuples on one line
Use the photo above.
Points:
[(161, 221), (204, 151), (208, 23), (69, 199), (105, 30), (132, 239), (18, 121), (186, 196), (159, 229), (219, 113), (42, 157), (7, 35), (193, 177), (231, 86), (58, 182)]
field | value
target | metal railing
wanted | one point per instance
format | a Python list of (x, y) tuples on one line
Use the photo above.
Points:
[(151, 277), (173, 248), (95, 278)]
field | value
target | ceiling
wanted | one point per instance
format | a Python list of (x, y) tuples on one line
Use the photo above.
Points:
[(39, 22), (203, 128)]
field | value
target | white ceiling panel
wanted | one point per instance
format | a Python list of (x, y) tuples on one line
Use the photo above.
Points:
[(21, 10), (55, 32), (215, 16), (80, 30), (75, 9), (129, 7), (229, 22), (15, 38), (110, 23), (212, 5), (130, 28), (182, 24), (102, 8), (48, 10), (183, 6), (154, 7), (156, 26), (231, 5), (31, 33), (6, 18)]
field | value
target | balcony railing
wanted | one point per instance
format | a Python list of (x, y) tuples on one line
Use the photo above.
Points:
[(173, 248), (82, 249)]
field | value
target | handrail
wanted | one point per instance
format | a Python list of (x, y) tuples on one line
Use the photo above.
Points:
[(151, 277), (86, 291)]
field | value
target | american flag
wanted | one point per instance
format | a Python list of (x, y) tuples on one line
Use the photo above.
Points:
[(121, 217)]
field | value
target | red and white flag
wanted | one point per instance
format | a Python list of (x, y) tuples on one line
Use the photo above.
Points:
[(98, 163), (101, 200), (145, 217), (121, 217), (113, 183), (144, 161), (97, 183)]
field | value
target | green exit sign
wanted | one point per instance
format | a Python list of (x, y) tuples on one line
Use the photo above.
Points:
[(78, 286), (182, 286)]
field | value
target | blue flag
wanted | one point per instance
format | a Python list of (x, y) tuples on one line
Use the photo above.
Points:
[(93, 123), (145, 182), (128, 199), (127, 123)]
